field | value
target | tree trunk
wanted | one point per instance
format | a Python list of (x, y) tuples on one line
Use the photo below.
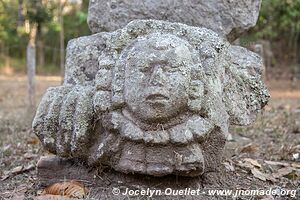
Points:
[(20, 13), (31, 66), (62, 41)]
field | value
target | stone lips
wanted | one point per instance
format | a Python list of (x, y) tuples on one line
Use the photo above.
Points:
[(227, 18), (88, 117)]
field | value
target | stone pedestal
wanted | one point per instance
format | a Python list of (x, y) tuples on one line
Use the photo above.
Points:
[(106, 183)]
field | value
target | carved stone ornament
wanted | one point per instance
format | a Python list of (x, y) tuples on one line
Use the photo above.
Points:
[(152, 98)]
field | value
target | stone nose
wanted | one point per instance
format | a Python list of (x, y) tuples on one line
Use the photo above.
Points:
[(158, 77)]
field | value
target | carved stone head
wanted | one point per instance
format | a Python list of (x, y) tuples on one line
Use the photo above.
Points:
[(153, 98), (157, 76)]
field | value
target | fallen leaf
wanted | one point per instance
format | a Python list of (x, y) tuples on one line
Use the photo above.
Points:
[(229, 166), (293, 175), (249, 148), (29, 167), (29, 155), (296, 156), (252, 162), (71, 189), (269, 130), (277, 163), (283, 172), (258, 174), (16, 170), (296, 148), (4, 177), (262, 176), (270, 178), (18, 197), (33, 140), (296, 165), (53, 197), (245, 165)]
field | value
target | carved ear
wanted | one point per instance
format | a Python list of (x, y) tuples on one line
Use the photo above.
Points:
[(244, 91)]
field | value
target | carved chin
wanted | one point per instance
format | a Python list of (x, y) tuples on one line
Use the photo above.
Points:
[(180, 149), (157, 111), (153, 115)]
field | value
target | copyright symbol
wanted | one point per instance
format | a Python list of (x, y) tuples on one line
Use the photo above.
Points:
[(116, 191)]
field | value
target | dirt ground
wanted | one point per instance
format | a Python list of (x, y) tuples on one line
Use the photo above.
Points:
[(265, 154)]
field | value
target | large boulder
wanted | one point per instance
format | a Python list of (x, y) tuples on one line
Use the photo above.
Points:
[(229, 18)]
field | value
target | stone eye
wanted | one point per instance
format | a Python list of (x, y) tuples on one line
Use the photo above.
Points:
[(113, 6), (171, 68), (144, 69)]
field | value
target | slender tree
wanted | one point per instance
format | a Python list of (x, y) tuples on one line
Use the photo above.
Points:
[(62, 4), (31, 65)]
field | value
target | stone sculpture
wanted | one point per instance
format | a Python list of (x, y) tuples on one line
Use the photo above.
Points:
[(152, 98), (226, 17)]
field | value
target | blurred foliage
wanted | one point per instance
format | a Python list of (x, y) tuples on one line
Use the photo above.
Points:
[(36, 12), (279, 22), (278, 18), (18, 16), (8, 23)]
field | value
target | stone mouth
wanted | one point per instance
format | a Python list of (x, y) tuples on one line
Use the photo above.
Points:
[(158, 97)]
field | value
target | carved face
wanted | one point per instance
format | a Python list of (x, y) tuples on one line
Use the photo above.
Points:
[(157, 76)]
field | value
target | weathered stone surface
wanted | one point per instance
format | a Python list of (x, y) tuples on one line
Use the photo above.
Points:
[(102, 183), (228, 18), (152, 98)]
